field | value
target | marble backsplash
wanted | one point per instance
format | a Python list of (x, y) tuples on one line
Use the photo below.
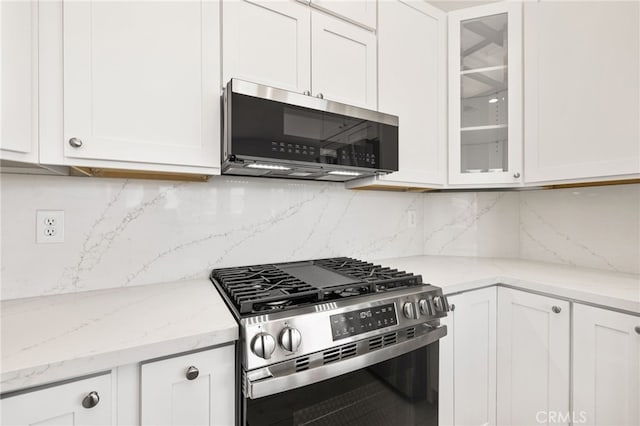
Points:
[(130, 232), (484, 224), (597, 227)]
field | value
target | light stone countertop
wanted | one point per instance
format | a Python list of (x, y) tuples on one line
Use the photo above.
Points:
[(455, 274), (51, 338)]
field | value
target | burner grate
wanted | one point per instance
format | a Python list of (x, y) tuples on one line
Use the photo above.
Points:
[(263, 288), (382, 278)]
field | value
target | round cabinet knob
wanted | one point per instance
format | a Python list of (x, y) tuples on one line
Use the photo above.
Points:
[(320, 95), (263, 345), (192, 373), (409, 310), (556, 309), (516, 175), (637, 329), (75, 142), (453, 307), (307, 93), (290, 339), (91, 400)]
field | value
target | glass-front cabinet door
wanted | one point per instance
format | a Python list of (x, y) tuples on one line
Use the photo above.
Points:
[(485, 95)]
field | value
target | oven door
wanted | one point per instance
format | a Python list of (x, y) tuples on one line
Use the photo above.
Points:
[(396, 387)]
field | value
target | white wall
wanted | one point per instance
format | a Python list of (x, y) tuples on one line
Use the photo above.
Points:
[(128, 232)]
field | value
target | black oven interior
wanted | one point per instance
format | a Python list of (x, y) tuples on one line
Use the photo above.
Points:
[(400, 391)]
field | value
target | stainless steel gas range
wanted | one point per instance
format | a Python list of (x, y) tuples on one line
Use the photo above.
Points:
[(334, 342)]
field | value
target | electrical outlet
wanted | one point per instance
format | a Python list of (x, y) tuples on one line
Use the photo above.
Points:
[(411, 218), (49, 226)]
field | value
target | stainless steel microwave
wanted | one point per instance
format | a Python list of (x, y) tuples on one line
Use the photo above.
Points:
[(276, 133)]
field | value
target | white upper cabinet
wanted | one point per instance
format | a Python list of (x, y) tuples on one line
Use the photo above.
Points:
[(606, 367), (268, 43), (582, 90), (533, 357), (19, 81), (86, 402), (362, 12), (412, 85), (141, 83), (485, 95), (343, 61), (288, 45)]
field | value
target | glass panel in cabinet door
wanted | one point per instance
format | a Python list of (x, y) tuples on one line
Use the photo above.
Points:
[(484, 95), (484, 150), (483, 42)]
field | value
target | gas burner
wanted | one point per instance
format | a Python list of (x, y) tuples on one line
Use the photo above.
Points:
[(259, 288), (383, 278)]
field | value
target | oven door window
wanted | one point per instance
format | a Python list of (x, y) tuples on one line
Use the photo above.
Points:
[(400, 391)]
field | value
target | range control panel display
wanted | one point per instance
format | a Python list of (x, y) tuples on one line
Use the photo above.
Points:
[(357, 322)]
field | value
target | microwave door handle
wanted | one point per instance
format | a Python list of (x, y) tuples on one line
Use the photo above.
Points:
[(261, 387)]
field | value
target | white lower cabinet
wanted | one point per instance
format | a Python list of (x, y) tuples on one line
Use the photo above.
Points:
[(86, 402), (606, 367), (470, 375), (533, 352), (193, 389)]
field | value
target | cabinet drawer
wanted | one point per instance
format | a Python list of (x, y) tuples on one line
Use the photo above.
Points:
[(82, 402)]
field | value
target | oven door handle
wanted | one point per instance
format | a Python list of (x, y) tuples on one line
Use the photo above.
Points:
[(262, 386)]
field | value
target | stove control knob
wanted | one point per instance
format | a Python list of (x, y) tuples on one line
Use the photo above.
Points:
[(263, 345), (290, 339), (409, 310), (426, 307), (442, 305)]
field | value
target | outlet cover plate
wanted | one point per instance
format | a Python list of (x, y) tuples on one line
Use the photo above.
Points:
[(49, 226), (411, 218)]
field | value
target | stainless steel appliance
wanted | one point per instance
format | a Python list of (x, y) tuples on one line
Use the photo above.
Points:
[(334, 342), (276, 133)]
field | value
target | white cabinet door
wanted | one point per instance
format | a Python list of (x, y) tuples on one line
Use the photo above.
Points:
[(470, 376), (267, 42), (343, 61), (533, 358), (19, 81), (170, 397), (412, 85), (141, 82), (61, 404), (359, 11), (485, 95), (606, 367), (582, 85)]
